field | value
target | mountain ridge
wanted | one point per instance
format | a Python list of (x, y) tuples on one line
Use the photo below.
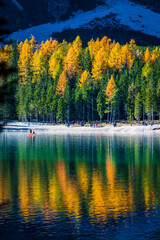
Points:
[(127, 18)]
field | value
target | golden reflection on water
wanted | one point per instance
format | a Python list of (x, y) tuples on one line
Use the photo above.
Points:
[(105, 189), (5, 196), (5, 187), (83, 179), (23, 192), (69, 190), (104, 195)]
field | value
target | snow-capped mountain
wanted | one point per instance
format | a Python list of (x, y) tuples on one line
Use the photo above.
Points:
[(119, 19)]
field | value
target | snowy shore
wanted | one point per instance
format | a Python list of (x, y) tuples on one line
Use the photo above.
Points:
[(62, 129)]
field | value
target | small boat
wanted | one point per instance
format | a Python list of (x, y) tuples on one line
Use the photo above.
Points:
[(31, 134)]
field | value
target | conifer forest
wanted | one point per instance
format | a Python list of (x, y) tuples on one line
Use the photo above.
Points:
[(63, 82)]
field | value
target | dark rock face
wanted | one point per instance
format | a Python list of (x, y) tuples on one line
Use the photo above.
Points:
[(21, 14), (152, 4)]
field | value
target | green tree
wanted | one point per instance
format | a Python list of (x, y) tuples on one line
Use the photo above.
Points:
[(101, 104), (130, 102), (138, 107)]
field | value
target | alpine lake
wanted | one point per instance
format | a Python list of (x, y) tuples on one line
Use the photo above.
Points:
[(81, 186)]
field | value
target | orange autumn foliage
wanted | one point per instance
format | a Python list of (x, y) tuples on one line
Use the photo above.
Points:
[(61, 84), (133, 46), (147, 55), (5, 54), (99, 65), (155, 54), (105, 42), (111, 87), (93, 47), (38, 62), (54, 67), (24, 62), (84, 79), (71, 63), (114, 60), (77, 45), (127, 56), (49, 47)]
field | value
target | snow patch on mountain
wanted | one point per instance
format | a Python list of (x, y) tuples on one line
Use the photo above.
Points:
[(126, 13), (138, 18), (18, 5)]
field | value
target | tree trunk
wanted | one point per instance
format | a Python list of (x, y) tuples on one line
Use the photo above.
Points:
[(43, 116), (118, 111), (83, 111), (55, 117), (125, 112), (88, 112), (108, 111), (80, 112), (36, 116), (111, 114), (25, 117), (114, 113), (152, 113), (143, 112), (50, 117), (68, 115), (92, 109)]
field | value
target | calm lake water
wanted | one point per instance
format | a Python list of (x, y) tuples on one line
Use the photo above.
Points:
[(79, 187)]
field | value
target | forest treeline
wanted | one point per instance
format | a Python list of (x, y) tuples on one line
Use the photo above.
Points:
[(62, 82)]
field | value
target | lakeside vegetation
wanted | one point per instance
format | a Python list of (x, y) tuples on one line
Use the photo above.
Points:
[(62, 82)]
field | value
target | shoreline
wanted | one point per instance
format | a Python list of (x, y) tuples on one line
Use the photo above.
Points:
[(62, 129)]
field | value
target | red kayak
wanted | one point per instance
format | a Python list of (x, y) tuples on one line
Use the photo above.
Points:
[(31, 134)]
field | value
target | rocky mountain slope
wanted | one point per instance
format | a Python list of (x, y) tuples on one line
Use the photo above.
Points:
[(119, 19), (21, 14)]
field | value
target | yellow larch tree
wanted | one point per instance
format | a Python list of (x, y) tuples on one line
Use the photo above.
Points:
[(57, 58), (91, 48), (77, 45), (71, 63), (127, 56), (132, 45), (38, 62), (54, 67), (106, 43), (111, 87), (155, 54), (24, 62), (146, 69), (84, 79), (94, 47), (99, 66), (5, 54), (61, 86), (147, 55), (49, 47), (61, 51), (20, 46), (110, 90), (114, 60), (32, 44)]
